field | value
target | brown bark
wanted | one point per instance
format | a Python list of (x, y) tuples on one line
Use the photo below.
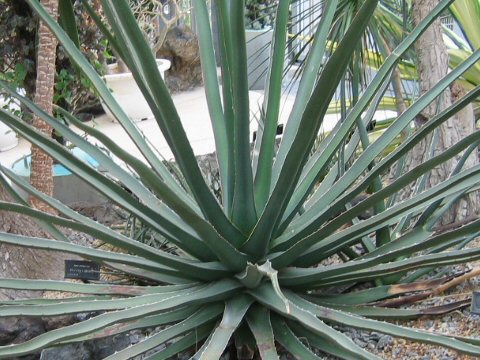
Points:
[(400, 104), (398, 91), (433, 66), (41, 168), (20, 262)]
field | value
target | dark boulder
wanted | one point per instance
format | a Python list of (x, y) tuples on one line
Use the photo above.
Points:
[(181, 48)]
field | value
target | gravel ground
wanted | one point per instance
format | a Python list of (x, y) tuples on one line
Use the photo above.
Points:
[(459, 323)]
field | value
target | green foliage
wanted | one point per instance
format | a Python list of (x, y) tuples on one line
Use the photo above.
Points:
[(15, 78), (259, 14), (18, 29), (255, 267), (18, 26)]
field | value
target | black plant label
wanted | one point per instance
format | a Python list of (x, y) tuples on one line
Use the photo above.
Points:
[(84, 270), (476, 302)]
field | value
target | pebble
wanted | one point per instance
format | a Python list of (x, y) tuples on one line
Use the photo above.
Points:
[(384, 341)]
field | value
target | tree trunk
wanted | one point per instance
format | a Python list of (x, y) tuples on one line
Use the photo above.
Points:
[(19, 262), (41, 168), (432, 67), (25, 263)]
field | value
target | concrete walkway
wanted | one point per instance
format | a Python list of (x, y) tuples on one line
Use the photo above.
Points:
[(193, 111)]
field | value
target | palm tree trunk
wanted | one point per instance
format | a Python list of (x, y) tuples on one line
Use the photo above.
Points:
[(41, 169), (21, 262), (433, 66)]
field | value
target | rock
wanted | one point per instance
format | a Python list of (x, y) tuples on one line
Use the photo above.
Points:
[(72, 351), (15, 330), (384, 341), (107, 214), (181, 48), (20, 329), (89, 350), (57, 322), (360, 342)]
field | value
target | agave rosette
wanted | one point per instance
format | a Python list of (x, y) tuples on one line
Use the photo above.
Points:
[(250, 269)]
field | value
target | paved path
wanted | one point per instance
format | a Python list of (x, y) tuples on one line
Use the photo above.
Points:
[(193, 111)]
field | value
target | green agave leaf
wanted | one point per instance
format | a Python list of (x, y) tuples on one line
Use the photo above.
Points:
[(382, 235), (101, 289), (66, 18), (318, 342), (89, 253), (102, 183), (367, 156), (312, 118), (311, 243), (243, 206), (164, 318), (203, 316), (234, 313), (144, 69), (338, 317), (307, 83), (183, 343), (205, 271), (95, 305), (42, 301), (258, 319), (285, 336), (52, 230), (376, 293), (373, 312), (266, 296), (226, 55), (210, 293), (201, 226), (210, 76), (271, 107)]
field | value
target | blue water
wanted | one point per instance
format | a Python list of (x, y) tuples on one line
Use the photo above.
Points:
[(22, 166)]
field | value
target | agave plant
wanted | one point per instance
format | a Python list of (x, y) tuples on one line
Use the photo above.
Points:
[(252, 270), (391, 20)]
